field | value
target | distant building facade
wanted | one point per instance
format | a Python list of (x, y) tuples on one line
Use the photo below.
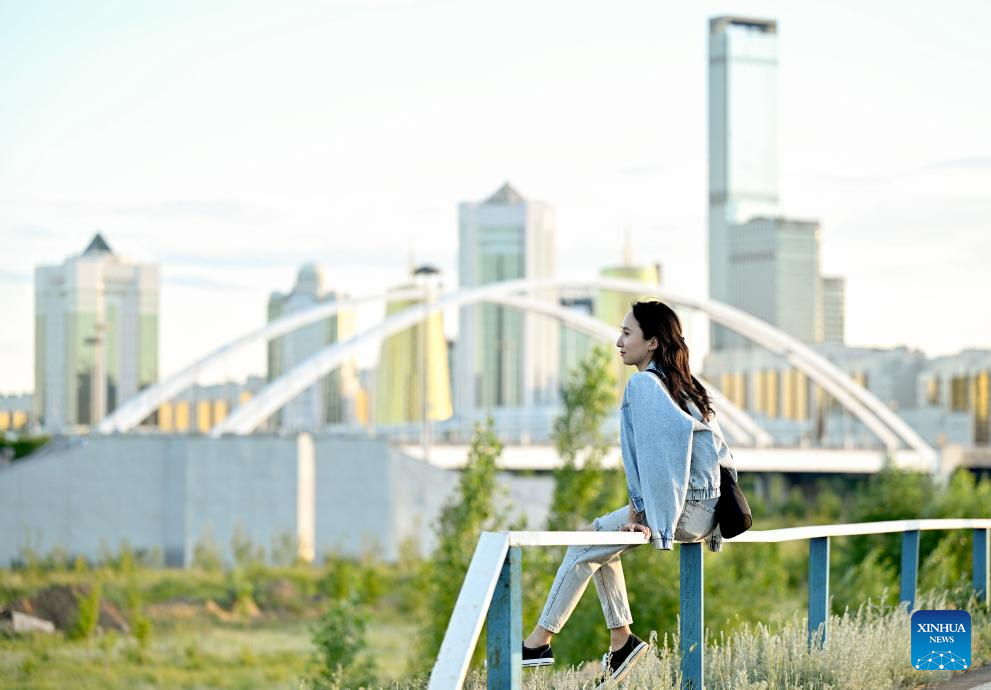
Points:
[(611, 306), (505, 358), (833, 293), (96, 336), (759, 261), (743, 139), (957, 390), (797, 411), (774, 275), (16, 412), (330, 400), (575, 345), (413, 382), (201, 407)]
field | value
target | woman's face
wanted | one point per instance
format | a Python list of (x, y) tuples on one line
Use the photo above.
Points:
[(634, 350)]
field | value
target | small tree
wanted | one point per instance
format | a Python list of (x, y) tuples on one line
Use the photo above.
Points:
[(88, 614), (341, 657), (140, 623), (581, 493), (471, 510)]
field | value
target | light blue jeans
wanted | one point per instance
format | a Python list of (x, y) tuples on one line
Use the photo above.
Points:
[(602, 563)]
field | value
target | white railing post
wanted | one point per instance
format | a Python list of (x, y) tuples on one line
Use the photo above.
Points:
[(466, 622)]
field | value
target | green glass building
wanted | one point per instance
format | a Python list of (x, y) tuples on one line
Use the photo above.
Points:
[(96, 336)]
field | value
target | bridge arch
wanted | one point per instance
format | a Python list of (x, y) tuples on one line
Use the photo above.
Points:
[(138, 408), (743, 428), (876, 416)]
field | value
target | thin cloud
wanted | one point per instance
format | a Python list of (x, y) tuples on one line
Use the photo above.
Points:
[(370, 258), (977, 165), (14, 277), (642, 170), (201, 282), (222, 210), (972, 164)]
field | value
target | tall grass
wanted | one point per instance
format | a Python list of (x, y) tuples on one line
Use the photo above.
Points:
[(866, 649)]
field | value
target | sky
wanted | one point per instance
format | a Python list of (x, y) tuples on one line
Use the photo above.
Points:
[(231, 142)]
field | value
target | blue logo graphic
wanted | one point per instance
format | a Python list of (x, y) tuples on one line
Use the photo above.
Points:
[(941, 640)]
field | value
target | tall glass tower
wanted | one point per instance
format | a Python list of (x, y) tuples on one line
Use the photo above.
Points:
[(505, 358), (743, 139)]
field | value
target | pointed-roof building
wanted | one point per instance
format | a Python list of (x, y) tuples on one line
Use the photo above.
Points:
[(97, 245), (505, 358), (97, 336), (506, 196)]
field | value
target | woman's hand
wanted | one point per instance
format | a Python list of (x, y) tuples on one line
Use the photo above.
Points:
[(636, 527)]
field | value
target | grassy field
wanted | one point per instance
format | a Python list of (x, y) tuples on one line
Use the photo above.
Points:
[(192, 647), (194, 651), (250, 622)]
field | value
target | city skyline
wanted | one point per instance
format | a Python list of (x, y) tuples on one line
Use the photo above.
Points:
[(148, 151)]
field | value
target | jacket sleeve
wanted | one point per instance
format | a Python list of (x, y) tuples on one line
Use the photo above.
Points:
[(662, 439), (629, 453)]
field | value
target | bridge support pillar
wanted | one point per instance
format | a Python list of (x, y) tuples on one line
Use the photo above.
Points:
[(818, 591), (692, 622), (910, 567), (504, 645)]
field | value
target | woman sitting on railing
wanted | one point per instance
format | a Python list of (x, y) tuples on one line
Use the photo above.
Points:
[(671, 453)]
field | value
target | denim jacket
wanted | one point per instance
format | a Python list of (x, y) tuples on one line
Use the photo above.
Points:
[(669, 456)]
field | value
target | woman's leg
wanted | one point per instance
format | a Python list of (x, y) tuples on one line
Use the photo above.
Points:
[(610, 584), (579, 565), (540, 635)]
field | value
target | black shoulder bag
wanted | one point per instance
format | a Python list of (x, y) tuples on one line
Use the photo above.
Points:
[(732, 510)]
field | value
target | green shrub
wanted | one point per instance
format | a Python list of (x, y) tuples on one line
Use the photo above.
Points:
[(23, 445), (341, 658), (471, 510), (88, 614)]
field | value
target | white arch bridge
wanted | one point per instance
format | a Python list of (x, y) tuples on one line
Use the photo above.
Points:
[(898, 438)]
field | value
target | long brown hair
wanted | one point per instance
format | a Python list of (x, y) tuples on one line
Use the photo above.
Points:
[(658, 320)]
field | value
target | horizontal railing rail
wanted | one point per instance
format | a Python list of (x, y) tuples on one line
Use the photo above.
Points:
[(491, 593)]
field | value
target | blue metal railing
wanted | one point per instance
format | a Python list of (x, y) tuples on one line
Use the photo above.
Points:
[(491, 593)]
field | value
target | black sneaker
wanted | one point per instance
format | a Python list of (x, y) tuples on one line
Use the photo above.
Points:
[(538, 656), (617, 664)]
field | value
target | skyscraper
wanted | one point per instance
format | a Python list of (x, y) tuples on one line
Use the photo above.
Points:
[(743, 137), (330, 400), (96, 335), (505, 358)]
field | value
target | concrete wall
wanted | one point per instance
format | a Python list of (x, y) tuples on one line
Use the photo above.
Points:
[(331, 495), (372, 495), (164, 492)]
